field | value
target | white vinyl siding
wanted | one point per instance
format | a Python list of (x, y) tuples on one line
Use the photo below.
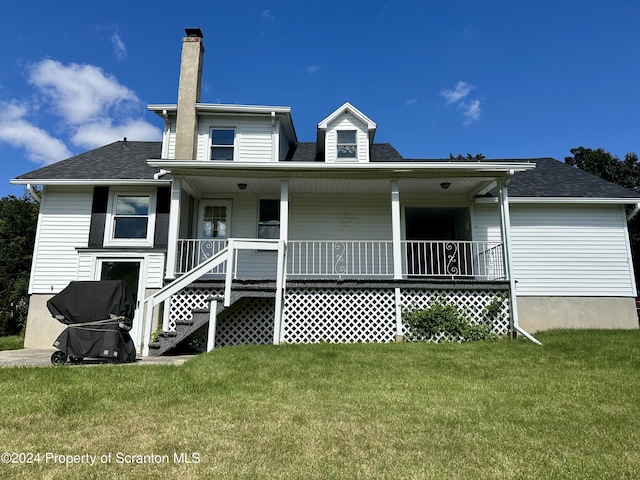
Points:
[(339, 217), (169, 141), (346, 121), (575, 250), (253, 141), (63, 226), (564, 250)]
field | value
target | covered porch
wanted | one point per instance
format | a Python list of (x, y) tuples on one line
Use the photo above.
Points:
[(290, 222)]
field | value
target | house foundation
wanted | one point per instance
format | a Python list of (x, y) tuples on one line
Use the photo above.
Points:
[(545, 313)]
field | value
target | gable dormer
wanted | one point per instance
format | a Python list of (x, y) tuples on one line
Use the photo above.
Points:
[(346, 136)]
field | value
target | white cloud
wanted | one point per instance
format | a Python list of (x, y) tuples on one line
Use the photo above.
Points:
[(89, 108), (470, 111), (411, 101), (460, 91), (119, 48), (79, 92), (39, 145), (103, 132), (312, 69), (267, 15)]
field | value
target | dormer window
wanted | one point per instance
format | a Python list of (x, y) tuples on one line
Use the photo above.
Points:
[(222, 143), (347, 147)]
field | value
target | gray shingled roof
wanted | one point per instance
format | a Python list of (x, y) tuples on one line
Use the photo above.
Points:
[(118, 161), (552, 178), (122, 161), (307, 152)]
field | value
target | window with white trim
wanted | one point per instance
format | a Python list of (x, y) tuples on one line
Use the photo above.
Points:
[(347, 146), (222, 143), (130, 219), (269, 219)]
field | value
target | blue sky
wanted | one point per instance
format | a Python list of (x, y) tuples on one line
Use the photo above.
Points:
[(508, 79)]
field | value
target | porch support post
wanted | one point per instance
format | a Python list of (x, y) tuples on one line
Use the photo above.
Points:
[(213, 316), (505, 230), (282, 266), (399, 332), (395, 230), (174, 228)]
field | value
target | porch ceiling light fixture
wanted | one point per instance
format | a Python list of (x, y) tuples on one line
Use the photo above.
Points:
[(445, 185), (242, 186)]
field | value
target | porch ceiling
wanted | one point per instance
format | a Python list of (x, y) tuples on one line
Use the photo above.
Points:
[(203, 186)]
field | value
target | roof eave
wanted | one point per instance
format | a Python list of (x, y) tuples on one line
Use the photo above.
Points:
[(84, 182), (566, 200)]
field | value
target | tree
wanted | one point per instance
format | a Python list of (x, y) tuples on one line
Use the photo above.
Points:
[(18, 219), (477, 156), (625, 173)]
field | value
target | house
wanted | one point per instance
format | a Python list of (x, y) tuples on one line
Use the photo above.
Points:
[(231, 231)]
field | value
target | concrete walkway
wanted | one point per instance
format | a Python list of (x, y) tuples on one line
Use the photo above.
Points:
[(42, 358)]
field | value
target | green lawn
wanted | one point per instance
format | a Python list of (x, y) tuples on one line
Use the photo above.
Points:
[(568, 409), (14, 342)]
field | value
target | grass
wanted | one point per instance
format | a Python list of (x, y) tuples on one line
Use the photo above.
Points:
[(13, 342), (569, 409)]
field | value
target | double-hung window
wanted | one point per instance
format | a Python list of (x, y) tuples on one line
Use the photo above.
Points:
[(222, 143), (131, 220), (347, 146), (269, 219)]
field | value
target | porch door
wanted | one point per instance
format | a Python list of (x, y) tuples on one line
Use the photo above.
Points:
[(214, 227), (432, 236), (130, 271)]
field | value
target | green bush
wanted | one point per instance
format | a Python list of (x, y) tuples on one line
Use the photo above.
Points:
[(443, 318)]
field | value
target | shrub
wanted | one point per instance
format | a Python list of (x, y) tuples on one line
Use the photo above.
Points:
[(442, 318)]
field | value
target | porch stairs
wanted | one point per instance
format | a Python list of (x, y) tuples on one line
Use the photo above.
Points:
[(187, 330)]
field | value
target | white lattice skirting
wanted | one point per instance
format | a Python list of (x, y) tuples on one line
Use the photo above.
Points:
[(331, 314)]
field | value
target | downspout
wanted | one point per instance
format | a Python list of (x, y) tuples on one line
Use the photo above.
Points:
[(634, 212), (506, 240), (33, 193)]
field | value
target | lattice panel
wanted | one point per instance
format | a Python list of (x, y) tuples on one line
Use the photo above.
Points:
[(339, 315), (472, 302), (250, 324), (185, 301)]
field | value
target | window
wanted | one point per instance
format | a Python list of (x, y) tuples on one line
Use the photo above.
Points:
[(131, 220), (214, 221), (269, 219), (131, 216), (222, 143), (347, 147)]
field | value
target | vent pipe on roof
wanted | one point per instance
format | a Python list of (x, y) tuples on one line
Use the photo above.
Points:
[(189, 94)]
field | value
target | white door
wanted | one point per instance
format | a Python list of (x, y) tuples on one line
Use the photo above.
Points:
[(214, 227), (130, 270)]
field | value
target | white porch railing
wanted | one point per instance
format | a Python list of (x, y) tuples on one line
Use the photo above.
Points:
[(325, 258), (462, 259), (361, 258), (193, 252)]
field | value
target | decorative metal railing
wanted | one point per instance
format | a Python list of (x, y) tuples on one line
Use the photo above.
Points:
[(324, 258), (462, 259), (193, 252), (366, 259)]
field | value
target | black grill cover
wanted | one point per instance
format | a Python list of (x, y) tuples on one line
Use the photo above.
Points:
[(88, 307), (83, 302)]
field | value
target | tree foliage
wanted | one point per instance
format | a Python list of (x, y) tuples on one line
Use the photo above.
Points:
[(18, 219), (625, 173)]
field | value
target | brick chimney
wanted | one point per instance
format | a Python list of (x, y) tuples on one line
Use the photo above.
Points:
[(189, 94)]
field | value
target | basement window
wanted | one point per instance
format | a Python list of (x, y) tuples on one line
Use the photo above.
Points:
[(222, 143), (347, 147)]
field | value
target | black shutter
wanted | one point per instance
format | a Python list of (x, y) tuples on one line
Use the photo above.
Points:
[(163, 202), (98, 216)]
